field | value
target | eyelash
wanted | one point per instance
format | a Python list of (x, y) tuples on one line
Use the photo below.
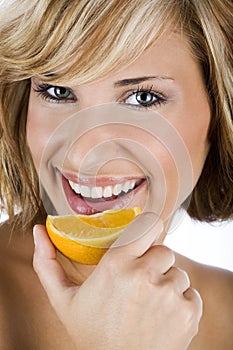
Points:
[(42, 90), (160, 98)]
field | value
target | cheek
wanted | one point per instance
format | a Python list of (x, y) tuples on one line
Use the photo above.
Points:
[(198, 147), (194, 135), (41, 123)]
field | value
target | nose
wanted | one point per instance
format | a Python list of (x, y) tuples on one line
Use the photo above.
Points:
[(93, 138), (93, 150), (101, 145)]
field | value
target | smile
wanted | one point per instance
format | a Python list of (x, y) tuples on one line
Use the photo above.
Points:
[(103, 192), (85, 198)]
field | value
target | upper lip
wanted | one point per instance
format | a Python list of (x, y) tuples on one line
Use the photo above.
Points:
[(100, 180)]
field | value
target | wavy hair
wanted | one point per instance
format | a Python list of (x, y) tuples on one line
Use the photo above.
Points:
[(84, 40)]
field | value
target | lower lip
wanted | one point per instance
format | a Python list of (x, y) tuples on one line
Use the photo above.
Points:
[(82, 206)]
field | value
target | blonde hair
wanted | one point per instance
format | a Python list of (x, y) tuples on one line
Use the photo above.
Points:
[(85, 40)]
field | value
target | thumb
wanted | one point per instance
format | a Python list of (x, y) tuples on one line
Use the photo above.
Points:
[(50, 272), (138, 237)]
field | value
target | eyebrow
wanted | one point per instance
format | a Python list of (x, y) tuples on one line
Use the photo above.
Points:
[(133, 81)]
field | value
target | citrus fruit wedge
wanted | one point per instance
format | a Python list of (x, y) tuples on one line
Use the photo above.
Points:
[(86, 238)]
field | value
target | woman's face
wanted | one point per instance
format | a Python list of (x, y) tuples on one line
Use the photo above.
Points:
[(167, 80)]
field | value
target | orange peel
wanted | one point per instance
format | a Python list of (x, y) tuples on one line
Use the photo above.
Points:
[(86, 238)]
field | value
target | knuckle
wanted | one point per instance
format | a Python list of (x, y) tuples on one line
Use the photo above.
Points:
[(165, 252), (166, 283), (169, 255), (167, 289), (196, 299), (183, 276), (193, 310), (182, 272)]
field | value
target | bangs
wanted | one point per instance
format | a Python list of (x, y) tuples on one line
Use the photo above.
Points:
[(81, 41)]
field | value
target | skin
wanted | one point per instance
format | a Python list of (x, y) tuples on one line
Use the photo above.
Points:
[(187, 106), (180, 110)]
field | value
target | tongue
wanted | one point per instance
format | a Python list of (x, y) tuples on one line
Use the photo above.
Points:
[(102, 204), (88, 206)]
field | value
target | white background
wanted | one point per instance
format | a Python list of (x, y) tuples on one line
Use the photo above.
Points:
[(210, 244)]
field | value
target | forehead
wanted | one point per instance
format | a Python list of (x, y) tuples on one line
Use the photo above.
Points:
[(164, 61), (165, 58), (93, 51), (169, 51)]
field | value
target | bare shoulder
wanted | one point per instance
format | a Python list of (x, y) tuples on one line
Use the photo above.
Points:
[(27, 320), (14, 258), (215, 286)]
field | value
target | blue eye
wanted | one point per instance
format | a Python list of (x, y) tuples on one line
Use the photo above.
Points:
[(145, 98), (59, 92), (142, 98), (55, 93)]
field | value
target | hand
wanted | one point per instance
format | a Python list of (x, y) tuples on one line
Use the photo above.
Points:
[(135, 298)]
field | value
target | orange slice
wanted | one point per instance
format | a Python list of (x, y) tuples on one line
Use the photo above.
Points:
[(86, 238)]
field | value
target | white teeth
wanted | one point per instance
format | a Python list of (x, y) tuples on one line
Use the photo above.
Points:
[(85, 191), (125, 187), (74, 186), (99, 192), (117, 189), (131, 184), (107, 192), (96, 192)]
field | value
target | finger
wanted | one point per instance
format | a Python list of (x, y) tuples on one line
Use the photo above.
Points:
[(138, 236), (193, 296), (48, 269), (179, 278), (160, 258)]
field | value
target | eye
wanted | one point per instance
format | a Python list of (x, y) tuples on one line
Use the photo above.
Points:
[(141, 97), (58, 94), (145, 98)]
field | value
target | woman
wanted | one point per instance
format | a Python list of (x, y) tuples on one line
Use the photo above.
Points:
[(169, 58)]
